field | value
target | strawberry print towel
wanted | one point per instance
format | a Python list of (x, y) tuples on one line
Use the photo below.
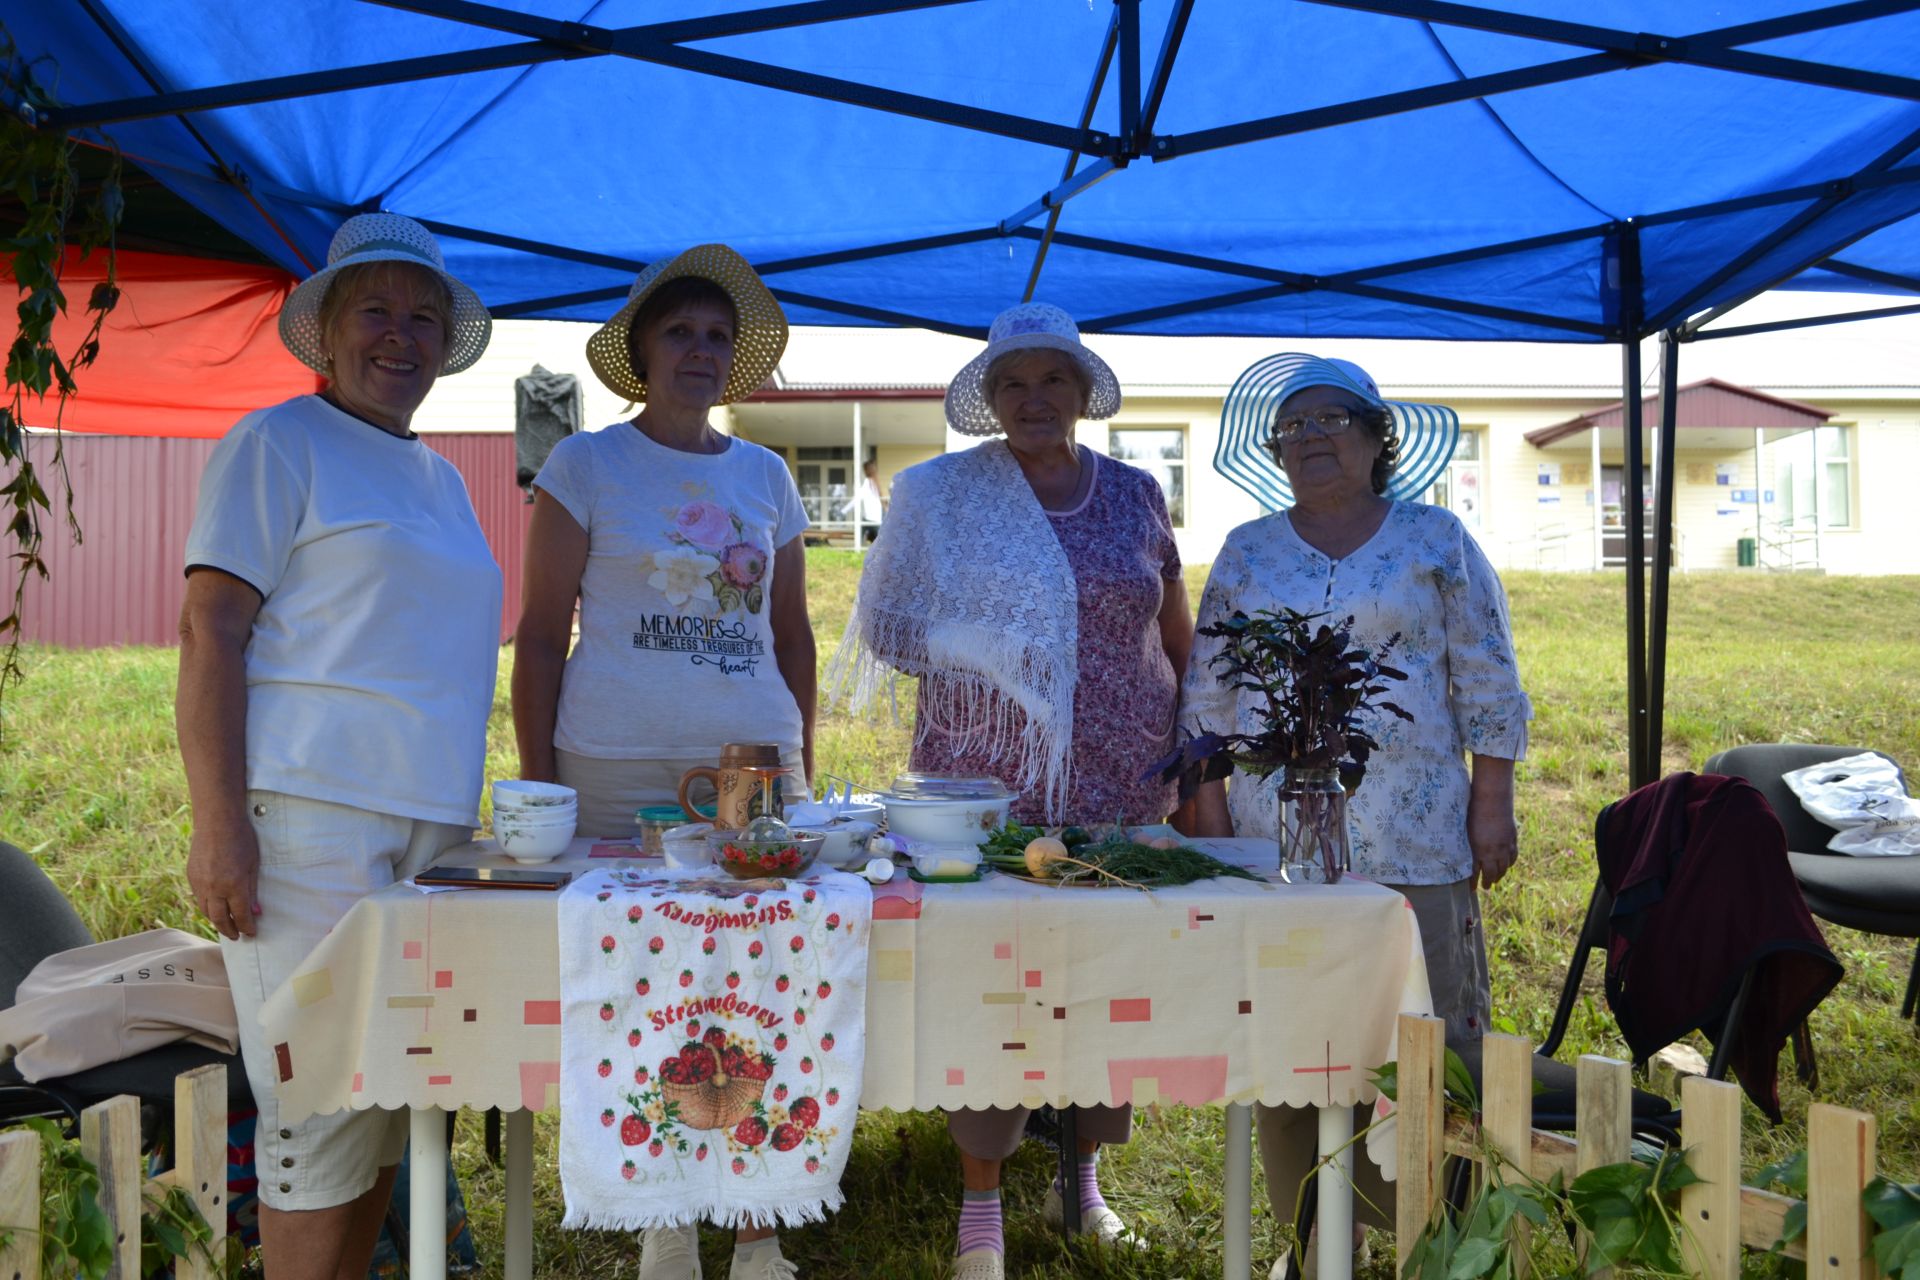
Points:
[(711, 1040)]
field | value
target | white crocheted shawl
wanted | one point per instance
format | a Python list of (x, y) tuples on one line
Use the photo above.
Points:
[(968, 589)]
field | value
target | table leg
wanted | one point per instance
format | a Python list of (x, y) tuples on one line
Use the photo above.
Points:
[(427, 1205), (1334, 1225), (1237, 1262), (519, 1261)]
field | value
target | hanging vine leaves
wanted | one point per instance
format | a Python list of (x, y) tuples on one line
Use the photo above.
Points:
[(50, 212)]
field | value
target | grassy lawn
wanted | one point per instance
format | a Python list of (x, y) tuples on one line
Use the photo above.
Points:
[(91, 785)]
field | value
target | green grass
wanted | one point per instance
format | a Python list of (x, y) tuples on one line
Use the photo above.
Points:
[(91, 785)]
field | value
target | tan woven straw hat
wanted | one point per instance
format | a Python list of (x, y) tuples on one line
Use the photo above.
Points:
[(383, 237), (1029, 325), (760, 328)]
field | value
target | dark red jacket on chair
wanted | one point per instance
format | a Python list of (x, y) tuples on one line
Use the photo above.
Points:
[(1697, 866)]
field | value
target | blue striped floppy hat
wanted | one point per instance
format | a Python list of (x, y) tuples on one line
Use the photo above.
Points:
[(1427, 432)]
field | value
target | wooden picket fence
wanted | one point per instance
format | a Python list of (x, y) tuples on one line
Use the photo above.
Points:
[(1720, 1216), (110, 1137)]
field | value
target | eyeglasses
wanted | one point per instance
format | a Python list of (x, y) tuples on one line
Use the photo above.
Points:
[(1331, 420)]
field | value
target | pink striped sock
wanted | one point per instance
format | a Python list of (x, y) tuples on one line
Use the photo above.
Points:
[(980, 1222), (1090, 1198)]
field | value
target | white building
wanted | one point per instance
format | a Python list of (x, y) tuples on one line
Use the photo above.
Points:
[(1806, 442)]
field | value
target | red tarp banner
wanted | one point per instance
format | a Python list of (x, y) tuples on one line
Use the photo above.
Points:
[(192, 347)]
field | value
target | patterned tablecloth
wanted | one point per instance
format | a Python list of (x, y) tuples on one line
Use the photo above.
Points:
[(989, 994)]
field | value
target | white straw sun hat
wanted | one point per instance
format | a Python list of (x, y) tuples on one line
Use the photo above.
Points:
[(1427, 433), (760, 326), (383, 237), (1021, 328)]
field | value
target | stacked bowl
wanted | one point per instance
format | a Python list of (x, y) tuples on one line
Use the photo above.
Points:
[(534, 821)]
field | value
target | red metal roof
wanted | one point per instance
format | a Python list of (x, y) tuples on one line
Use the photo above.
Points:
[(1707, 403)]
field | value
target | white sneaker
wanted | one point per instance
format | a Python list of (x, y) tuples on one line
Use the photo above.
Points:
[(1103, 1224), (980, 1264), (670, 1253), (766, 1264)]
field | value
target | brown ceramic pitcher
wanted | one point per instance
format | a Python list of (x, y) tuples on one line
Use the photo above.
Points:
[(740, 791)]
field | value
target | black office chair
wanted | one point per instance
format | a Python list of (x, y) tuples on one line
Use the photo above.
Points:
[(36, 921), (1873, 895)]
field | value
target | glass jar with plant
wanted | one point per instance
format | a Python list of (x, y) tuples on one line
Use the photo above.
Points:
[(1316, 690)]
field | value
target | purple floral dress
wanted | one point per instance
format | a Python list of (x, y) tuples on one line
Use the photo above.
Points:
[(1120, 545)]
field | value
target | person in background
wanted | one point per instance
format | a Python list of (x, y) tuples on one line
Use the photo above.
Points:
[(1422, 823), (872, 503), (682, 548), (337, 654), (1034, 588)]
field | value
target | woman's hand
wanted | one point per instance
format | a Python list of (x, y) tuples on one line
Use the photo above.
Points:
[(223, 873), (1491, 832)]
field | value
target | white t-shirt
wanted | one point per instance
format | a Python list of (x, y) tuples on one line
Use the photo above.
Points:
[(370, 671), (872, 510), (675, 658)]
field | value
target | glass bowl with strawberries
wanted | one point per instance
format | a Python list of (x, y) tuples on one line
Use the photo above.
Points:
[(763, 859)]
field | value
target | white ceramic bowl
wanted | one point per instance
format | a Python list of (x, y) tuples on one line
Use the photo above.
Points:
[(533, 844), (945, 821), (846, 843), (537, 817), (519, 793)]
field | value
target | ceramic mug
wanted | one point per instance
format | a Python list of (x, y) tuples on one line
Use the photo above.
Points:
[(741, 796)]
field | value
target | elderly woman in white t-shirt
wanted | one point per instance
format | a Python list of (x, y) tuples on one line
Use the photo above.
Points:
[(682, 547), (337, 655)]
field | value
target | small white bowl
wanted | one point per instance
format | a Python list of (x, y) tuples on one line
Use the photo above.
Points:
[(519, 793), (534, 844), (537, 817)]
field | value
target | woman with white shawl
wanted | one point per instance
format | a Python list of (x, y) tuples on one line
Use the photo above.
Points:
[(1033, 587)]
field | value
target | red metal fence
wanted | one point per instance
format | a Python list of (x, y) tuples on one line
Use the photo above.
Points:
[(134, 497)]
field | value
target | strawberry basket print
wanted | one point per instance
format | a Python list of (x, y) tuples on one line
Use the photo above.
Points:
[(712, 1038)]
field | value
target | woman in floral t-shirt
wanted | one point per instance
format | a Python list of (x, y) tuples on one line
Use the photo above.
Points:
[(682, 547)]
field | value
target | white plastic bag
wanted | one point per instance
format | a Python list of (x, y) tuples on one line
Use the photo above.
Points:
[(1863, 797)]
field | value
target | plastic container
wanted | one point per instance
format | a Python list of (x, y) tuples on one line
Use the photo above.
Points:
[(652, 823)]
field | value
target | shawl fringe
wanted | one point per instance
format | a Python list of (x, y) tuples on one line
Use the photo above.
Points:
[(989, 628)]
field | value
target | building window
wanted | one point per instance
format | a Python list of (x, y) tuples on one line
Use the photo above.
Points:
[(1458, 488), (1162, 453), (1797, 473), (824, 475)]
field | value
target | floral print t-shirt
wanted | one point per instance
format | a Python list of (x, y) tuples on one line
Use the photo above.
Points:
[(1119, 542), (1420, 577), (675, 657)]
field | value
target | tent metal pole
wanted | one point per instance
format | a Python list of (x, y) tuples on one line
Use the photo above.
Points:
[(1163, 66), (1785, 232), (1714, 48), (1806, 322), (1630, 284), (1053, 206), (1869, 274), (1664, 479)]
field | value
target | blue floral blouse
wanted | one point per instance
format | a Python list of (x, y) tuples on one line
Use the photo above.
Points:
[(1423, 577)]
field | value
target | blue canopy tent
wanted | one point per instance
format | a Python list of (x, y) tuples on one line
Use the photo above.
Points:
[(1557, 170)]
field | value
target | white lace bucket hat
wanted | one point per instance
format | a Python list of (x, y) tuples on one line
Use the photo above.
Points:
[(383, 237), (1029, 325)]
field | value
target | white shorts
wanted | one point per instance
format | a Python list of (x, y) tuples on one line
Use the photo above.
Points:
[(316, 860)]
